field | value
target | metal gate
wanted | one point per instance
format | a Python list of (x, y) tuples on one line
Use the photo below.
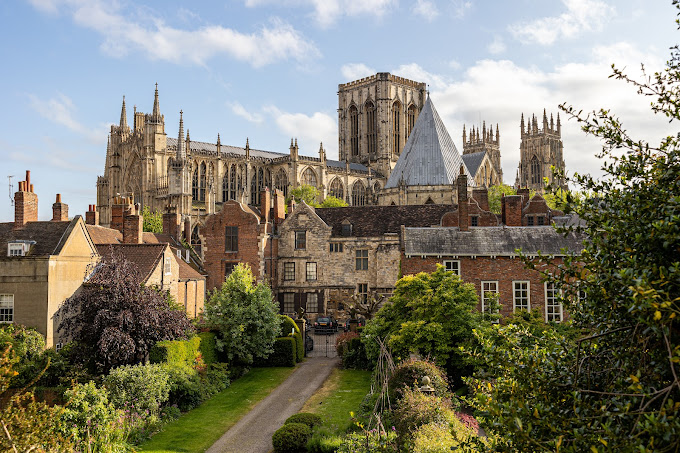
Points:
[(324, 344)]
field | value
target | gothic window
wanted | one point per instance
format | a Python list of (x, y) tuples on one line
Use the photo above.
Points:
[(371, 127), (225, 184), (232, 182), (309, 177), (358, 194), (376, 187), (354, 130), (281, 181), (337, 190), (411, 120), (535, 170), (396, 128), (201, 180), (254, 194), (239, 181), (194, 185)]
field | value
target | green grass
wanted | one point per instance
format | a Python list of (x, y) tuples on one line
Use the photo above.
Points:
[(198, 429), (341, 394)]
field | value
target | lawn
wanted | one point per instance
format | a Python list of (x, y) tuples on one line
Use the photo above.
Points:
[(341, 394), (198, 429)]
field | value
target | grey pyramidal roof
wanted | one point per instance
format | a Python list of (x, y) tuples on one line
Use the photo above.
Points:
[(429, 157)]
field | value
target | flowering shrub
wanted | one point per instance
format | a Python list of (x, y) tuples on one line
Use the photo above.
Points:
[(343, 340), (415, 409), (468, 420), (140, 388)]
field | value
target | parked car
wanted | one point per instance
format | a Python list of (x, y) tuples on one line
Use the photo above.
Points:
[(325, 325), (360, 322)]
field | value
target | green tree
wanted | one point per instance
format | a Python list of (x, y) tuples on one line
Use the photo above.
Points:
[(304, 192), (430, 314), (617, 387), (333, 202), (245, 315), (495, 195), (153, 221)]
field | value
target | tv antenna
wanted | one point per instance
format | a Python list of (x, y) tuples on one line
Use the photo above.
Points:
[(11, 187)]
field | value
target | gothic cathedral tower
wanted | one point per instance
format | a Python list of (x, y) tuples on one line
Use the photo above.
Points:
[(540, 150), (375, 117)]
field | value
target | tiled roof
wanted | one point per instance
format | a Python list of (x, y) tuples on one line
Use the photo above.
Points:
[(103, 235), (144, 256), (187, 272), (46, 234), (371, 221), (429, 157), (473, 161), (489, 241)]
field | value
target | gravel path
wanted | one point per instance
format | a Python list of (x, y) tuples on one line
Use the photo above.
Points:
[(253, 433)]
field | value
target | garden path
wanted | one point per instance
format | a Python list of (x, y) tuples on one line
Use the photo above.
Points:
[(253, 433)]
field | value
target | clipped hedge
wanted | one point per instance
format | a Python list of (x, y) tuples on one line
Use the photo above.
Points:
[(177, 352), (208, 348), (291, 438), (284, 353), (408, 374), (288, 325), (305, 418)]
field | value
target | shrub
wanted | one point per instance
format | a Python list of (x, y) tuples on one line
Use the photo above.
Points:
[(369, 442), (323, 440), (415, 409), (139, 388), (468, 421), (433, 438), (342, 341), (288, 325), (408, 374), (306, 418), (185, 388), (291, 437), (208, 347), (355, 355), (215, 380), (284, 353), (176, 353)]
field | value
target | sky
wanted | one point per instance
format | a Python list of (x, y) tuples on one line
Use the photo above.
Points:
[(268, 70)]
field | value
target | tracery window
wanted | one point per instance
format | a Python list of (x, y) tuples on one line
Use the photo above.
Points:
[(225, 184), (337, 190), (232, 182), (411, 120), (201, 179), (354, 130), (371, 127), (281, 181), (535, 170), (309, 177), (358, 194), (194, 185), (396, 128)]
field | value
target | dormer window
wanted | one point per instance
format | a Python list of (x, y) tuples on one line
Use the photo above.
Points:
[(18, 248), (346, 228)]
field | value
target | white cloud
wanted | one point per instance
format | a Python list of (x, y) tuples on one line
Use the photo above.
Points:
[(275, 42), (241, 111), (581, 15), (327, 12), (413, 71), (309, 130), (460, 8), (355, 71), (454, 64), (499, 91), (60, 110), (496, 46), (426, 9)]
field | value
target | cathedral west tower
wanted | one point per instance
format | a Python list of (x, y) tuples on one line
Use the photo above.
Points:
[(540, 149)]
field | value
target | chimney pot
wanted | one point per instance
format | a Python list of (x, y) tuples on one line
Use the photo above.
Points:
[(58, 198)]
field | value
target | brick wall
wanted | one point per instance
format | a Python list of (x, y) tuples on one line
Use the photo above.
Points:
[(59, 210)]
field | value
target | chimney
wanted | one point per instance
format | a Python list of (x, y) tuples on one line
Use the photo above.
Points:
[(59, 210), (481, 195), (524, 193), (132, 228), (512, 210), (25, 203), (265, 204), (279, 206), (172, 224), (463, 217), (122, 206), (92, 216), (291, 206)]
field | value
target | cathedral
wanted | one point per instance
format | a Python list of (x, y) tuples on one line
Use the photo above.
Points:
[(385, 159)]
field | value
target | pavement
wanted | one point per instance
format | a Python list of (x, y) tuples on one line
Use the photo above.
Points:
[(253, 433)]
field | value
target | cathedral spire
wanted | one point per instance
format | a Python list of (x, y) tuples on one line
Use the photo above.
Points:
[(156, 115), (181, 146), (521, 124), (123, 116), (464, 134), (498, 135), (559, 125)]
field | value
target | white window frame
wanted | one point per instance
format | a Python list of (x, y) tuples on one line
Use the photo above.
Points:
[(167, 265), (484, 291), (16, 249), (290, 302), (311, 271), (450, 264), (315, 307), (515, 298), (6, 308), (556, 298)]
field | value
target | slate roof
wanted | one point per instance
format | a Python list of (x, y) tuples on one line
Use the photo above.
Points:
[(144, 256), (372, 221), (473, 161), (429, 157), (489, 241), (49, 236)]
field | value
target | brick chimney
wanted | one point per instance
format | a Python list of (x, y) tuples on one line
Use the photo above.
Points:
[(133, 228), (59, 210), (463, 217), (512, 210), (524, 193), (172, 224), (122, 206), (92, 215), (265, 204), (481, 196), (279, 206), (25, 203)]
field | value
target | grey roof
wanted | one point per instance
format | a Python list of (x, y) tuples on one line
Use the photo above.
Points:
[(352, 165), (489, 241), (429, 157), (473, 161), (48, 237)]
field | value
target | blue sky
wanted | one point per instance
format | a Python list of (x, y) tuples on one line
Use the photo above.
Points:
[(269, 70)]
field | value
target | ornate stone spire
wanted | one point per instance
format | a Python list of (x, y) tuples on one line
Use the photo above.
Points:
[(156, 115), (123, 116), (181, 145)]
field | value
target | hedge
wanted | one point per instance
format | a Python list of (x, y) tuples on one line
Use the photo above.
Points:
[(177, 352), (288, 325), (291, 438), (208, 347), (284, 353)]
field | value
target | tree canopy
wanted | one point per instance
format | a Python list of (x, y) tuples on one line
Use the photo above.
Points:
[(304, 192), (245, 315), (116, 320), (617, 387), (153, 221)]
